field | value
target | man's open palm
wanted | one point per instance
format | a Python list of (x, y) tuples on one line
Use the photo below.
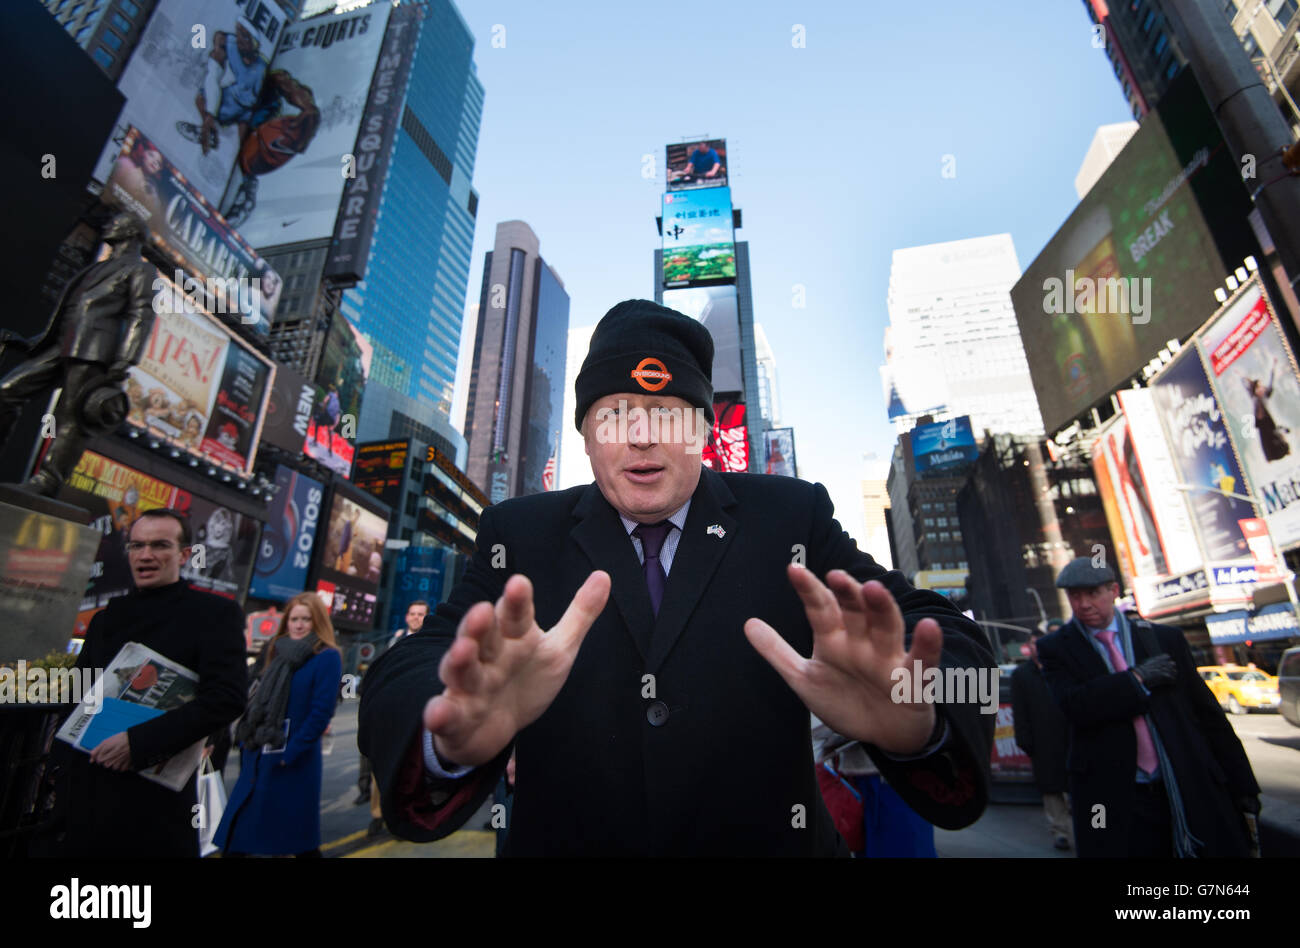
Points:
[(857, 643), (503, 670)]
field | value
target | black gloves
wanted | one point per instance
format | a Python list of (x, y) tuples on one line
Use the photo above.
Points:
[(1156, 671)]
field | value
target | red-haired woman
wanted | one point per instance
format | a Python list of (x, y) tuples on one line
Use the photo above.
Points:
[(275, 807)]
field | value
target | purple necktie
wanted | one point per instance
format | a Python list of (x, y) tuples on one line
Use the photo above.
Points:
[(652, 536), (1146, 747)]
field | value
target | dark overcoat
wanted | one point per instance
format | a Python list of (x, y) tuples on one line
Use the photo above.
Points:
[(275, 806), (672, 735), (1207, 757), (102, 813), (1041, 729)]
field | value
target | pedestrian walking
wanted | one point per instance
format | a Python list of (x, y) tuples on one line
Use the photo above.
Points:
[(1043, 733), (690, 634), (1155, 768), (103, 808), (275, 806)]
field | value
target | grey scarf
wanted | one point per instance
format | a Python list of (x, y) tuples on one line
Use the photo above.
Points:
[(1186, 845), (263, 722)]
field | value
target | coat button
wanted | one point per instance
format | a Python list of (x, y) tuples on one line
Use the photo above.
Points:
[(657, 714)]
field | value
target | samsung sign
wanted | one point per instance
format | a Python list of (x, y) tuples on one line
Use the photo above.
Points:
[(1277, 621)]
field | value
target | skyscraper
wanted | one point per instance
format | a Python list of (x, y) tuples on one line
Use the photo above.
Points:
[(953, 346), (516, 389), (411, 303), (1108, 142)]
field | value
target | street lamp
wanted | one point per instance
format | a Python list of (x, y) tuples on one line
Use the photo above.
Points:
[(1284, 573)]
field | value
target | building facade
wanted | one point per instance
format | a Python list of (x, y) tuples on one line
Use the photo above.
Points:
[(514, 412)]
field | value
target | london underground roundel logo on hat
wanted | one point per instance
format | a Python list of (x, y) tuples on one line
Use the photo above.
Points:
[(651, 374)]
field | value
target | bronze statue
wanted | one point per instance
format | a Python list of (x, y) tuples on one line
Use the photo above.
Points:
[(98, 331)]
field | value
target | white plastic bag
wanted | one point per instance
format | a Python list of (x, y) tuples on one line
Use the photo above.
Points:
[(212, 805)]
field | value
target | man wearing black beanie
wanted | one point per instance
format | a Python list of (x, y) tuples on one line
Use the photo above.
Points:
[(637, 639)]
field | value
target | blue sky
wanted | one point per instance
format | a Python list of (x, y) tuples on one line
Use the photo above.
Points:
[(835, 152)]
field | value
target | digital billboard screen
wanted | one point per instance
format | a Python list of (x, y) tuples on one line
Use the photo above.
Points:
[(1254, 373), (214, 51), (944, 448), (284, 554), (351, 557), (728, 448), (716, 308), (778, 450), (380, 468), (698, 164), (340, 382), (222, 268), (699, 240), (199, 387), (293, 165), (1134, 264), (288, 410)]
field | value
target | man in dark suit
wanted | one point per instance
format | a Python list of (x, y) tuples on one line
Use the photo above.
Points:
[(98, 331), (1042, 733), (639, 723), (103, 808), (1155, 768)]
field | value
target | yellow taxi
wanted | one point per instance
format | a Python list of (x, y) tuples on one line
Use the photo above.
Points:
[(1240, 688)]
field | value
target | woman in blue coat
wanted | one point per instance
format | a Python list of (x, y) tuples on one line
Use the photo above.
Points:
[(275, 806)]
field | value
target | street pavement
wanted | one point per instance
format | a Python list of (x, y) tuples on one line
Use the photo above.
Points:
[(1012, 827)]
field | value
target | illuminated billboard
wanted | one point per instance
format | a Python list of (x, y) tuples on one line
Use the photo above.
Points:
[(213, 52), (380, 469), (115, 494), (728, 447), (200, 387), (945, 448), (294, 162), (699, 241), (288, 410), (284, 554), (351, 558), (340, 381), (778, 451), (697, 164), (1134, 264), (1254, 374), (222, 268), (715, 307)]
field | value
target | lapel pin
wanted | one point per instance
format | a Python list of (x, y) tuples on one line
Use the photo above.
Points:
[(716, 530)]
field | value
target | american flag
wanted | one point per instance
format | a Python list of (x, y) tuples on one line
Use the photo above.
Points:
[(548, 473)]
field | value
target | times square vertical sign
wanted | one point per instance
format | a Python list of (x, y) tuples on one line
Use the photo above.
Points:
[(354, 228)]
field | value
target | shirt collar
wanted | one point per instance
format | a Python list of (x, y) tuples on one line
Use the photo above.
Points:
[(677, 519), (1113, 626)]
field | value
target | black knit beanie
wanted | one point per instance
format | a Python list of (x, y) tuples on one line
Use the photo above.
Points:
[(643, 348)]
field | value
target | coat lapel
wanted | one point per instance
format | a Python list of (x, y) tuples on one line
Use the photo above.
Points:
[(698, 554), (601, 536), (1084, 653)]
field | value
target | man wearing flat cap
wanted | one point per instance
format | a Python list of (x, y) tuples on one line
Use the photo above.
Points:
[(655, 637), (1155, 768)]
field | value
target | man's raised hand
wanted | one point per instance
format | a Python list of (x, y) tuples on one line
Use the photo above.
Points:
[(503, 670), (857, 644)]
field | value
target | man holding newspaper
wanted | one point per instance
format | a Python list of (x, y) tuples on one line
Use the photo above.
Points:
[(124, 765)]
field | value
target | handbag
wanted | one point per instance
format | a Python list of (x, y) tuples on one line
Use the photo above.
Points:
[(211, 807)]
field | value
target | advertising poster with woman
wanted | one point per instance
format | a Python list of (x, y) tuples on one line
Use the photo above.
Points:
[(1254, 374), (1203, 455)]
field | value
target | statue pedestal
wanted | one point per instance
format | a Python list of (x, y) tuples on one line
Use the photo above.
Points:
[(47, 550)]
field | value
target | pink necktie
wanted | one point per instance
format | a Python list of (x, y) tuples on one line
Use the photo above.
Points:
[(1146, 747)]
